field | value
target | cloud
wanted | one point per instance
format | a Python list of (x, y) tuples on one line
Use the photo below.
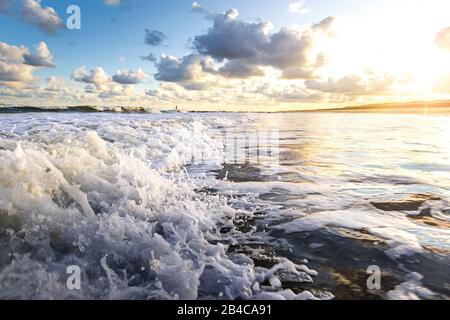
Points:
[(154, 37), (173, 69), (111, 2), (103, 86), (298, 7), (42, 58), (5, 5), (253, 44), (56, 85), (44, 18), (129, 77), (8, 92), (240, 69), (150, 57), (11, 54), (442, 84), (355, 85), (235, 50), (192, 72), (95, 76), (197, 7), (443, 39), (15, 63), (15, 72), (116, 90)]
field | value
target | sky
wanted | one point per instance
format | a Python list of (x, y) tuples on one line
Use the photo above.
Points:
[(247, 55)]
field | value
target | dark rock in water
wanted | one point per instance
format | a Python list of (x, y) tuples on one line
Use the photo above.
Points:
[(210, 191), (381, 179), (426, 217), (412, 204), (292, 277), (275, 197), (263, 255), (244, 224), (59, 244), (239, 173), (425, 213), (9, 222)]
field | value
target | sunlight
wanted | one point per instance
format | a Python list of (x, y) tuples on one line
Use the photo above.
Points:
[(390, 42)]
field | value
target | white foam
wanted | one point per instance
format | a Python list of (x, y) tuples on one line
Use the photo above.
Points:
[(401, 234), (411, 289), (109, 194)]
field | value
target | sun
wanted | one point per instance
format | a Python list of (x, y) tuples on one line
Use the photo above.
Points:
[(395, 40)]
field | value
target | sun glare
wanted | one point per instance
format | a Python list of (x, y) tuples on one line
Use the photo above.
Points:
[(391, 42)]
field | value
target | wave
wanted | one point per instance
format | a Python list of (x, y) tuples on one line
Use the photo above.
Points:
[(78, 109), (112, 198)]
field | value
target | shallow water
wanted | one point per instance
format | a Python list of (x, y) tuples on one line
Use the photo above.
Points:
[(156, 207)]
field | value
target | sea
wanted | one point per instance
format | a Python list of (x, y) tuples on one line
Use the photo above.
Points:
[(224, 206)]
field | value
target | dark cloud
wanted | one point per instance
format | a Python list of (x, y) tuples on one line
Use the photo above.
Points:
[(154, 37), (193, 72), (172, 69), (5, 5), (253, 44), (150, 57), (240, 69)]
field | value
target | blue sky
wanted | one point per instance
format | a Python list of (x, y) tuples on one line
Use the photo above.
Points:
[(112, 37), (103, 26)]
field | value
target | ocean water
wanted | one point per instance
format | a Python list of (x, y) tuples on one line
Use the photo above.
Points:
[(193, 206)]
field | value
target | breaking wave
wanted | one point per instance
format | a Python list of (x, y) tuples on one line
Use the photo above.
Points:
[(110, 195)]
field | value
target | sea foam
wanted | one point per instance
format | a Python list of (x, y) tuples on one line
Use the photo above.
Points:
[(109, 194)]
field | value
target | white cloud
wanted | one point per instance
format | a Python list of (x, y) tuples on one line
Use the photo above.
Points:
[(298, 7), (56, 86), (355, 85), (17, 64), (116, 90), (129, 77), (103, 86), (42, 58), (197, 6), (111, 2), (12, 54), (15, 93), (95, 76), (44, 18), (15, 72), (443, 39)]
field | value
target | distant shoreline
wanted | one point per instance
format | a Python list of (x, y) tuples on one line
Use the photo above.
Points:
[(415, 107), (441, 107)]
